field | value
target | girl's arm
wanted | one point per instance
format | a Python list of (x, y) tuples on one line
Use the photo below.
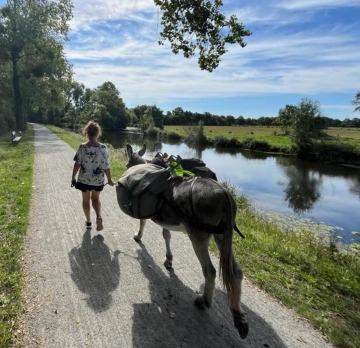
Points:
[(108, 176), (74, 172)]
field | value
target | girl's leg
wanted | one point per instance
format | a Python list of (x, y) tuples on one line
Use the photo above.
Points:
[(95, 199), (86, 205)]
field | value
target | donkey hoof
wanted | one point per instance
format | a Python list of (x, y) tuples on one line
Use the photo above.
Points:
[(241, 323), (201, 303), (243, 330), (168, 264), (137, 238)]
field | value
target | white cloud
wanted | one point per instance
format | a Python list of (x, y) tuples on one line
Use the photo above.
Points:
[(186, 81), (311, 4), (290, 52), (337, 107), (92, 11), (264, 13), (307, 62)]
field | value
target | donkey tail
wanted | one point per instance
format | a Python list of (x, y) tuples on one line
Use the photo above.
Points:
[(226, 253)]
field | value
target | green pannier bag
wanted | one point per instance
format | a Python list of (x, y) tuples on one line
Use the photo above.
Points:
[(138, 190)]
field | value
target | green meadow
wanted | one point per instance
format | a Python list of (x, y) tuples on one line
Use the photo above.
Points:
[(272, 135)]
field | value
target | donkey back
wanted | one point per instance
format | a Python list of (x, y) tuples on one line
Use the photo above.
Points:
[(139, 188)]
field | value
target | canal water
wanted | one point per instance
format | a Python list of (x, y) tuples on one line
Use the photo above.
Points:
[(322, 195)]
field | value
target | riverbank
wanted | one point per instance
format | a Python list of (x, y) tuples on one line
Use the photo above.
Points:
[(342, 149)]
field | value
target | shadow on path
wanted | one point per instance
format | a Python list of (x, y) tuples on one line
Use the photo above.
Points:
[(95, 271), (172, 320)]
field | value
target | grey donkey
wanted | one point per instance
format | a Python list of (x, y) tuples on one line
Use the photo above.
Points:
[(201, 207)]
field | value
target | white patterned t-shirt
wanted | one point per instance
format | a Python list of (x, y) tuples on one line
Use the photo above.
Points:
[(93, 161)]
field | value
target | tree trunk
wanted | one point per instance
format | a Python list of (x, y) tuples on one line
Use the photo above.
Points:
[(19, 120)]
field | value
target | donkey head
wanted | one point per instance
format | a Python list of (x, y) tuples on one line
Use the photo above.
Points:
[(133, 157)]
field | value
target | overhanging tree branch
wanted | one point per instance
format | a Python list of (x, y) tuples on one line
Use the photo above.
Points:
[(356, 101), (191, 25)]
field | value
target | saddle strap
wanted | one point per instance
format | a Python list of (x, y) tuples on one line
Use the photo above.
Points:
[(191, 200)]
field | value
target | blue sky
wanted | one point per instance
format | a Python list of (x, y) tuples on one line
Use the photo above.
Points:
[(299, 48)]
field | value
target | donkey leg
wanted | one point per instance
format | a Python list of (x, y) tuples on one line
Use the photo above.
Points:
[(240, 321), (169, 255), (200, 244), (138, 236)]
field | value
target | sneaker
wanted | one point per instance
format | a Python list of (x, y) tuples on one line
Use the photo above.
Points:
[(99, 224), (88, 225)]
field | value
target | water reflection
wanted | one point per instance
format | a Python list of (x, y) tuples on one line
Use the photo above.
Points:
[(119, 140), (303, 185), (355, 188), (322, 193), (254, 155)]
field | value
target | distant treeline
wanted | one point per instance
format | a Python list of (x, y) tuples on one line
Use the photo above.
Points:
[(180, 117)]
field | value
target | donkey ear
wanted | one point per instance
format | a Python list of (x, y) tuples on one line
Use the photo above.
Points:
[(142, 151), (129, 151)]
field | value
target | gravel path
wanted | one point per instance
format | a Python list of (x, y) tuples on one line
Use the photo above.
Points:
[(105, 290)]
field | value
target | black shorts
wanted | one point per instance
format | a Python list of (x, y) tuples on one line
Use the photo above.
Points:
[(83, 187)]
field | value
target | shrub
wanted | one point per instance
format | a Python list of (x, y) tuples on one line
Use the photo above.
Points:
[(152, 132), (224, 142), (173, 136), (252, 144)]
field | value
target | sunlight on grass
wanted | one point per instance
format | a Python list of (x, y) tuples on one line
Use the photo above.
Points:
[(16, 173)]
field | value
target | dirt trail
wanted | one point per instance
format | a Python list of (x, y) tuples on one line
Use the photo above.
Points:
[(89, 290)]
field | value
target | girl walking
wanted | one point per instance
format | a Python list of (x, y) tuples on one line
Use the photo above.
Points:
[(92, 162)]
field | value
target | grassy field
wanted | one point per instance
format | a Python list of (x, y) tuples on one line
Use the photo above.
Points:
[(272, 135), (344, 133), (314, 279)]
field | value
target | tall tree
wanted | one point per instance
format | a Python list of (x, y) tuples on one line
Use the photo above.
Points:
[(286, 117), (157, 115), (230, 120), (303, 121), (107, 107), (201, 26), (139, 110), (45, 76), (25, 23), (6, 101), (356, 101), (77, 97), (240, 120), (146, 121)]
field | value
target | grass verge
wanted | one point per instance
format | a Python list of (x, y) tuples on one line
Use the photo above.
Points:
[(16, 173)]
